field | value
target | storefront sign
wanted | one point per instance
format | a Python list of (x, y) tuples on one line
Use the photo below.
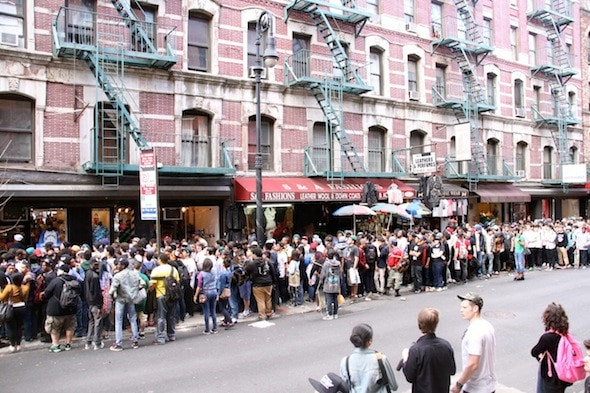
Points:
[(148, 184), (574, 173), (423, 163)]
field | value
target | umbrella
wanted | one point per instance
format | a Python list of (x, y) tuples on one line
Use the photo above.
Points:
[(416, 208), (390, 208), (354, 210)]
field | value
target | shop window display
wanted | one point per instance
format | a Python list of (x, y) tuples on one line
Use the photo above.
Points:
[(48, 225)]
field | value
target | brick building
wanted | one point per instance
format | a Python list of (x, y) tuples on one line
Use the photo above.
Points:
[(486, 98)]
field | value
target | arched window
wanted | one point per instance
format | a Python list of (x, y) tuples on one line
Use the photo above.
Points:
[(520, 159), (199, 41), (195, 139), (493, 156), (417, 141), (376, 67), (266, 127), (17, 121), (547, 162), (574, 155), (376, 149)]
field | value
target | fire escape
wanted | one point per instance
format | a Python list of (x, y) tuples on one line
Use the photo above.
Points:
[(328, 80), (554, 64), (109, 44), (468, 44)]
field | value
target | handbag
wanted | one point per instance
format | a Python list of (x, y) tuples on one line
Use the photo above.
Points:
[(341, 299), (6, 309), (202, 298), (225, 293), (527, 251), (140, 297)]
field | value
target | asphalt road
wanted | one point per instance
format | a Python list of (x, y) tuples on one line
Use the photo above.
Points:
[(281, 357)]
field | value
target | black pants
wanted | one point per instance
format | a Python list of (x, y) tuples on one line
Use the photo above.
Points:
[(15, 326)]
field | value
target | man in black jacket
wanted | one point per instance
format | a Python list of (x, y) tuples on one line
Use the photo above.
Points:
[(94, 299), (262, 275), (429, 363)]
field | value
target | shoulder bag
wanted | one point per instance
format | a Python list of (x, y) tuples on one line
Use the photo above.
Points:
[(6, 309)]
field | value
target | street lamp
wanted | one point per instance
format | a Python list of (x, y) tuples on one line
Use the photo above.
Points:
[(263, 25)]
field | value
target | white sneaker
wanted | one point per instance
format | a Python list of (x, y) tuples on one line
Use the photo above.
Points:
[(234, 320), (328, 318), (335, 316), (11, 349), (246, 313), (439, 289)]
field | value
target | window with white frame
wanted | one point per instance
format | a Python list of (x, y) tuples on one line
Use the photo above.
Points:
[(266, 126), (491, 88), (413, 74), (436, 19), (12, 23), (376, 149), (440, 88), (488, 32), (321, 150), (198, 42), (520, 159), (376, 67), (533, 49), (373, 9), (409, 11), (548, 162), (146, 14), (514, 42), (518, 95)]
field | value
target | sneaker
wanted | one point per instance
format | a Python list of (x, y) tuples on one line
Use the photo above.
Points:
[(246, 313), (55, 348), (439, 289), (141, 335), (116, 348), (134, 345), (68, 347), (335, 316), (328, 318), (98, 346), (17, 348), (214, 331), (156, 342), (234, 320), (11, 349), (86, 346), (229, 326), (206, 332)]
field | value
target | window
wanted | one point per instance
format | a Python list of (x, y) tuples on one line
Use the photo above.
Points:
[(547, 162), (571, 98), (588, 48), (493, 156), (488, 32), (16, 127), (147, 15), (491, 88), (301, 55), (533, 49), (12, 23), (440, 90), (461, 29), (574, 155), (339, 72), (320, 152), (412, 74), (436, 19), (266, 126), (80, 21), (373, 9), (195, 140), (518, 95), (376, 145), (198, 42), (252, 44), (376, 60), (537, 101), (514, 42), (409, 11), (112, 143), (417, 141), (520, 163)]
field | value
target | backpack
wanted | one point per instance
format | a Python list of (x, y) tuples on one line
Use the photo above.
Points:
[(70, 291), (333, 274), (371, 253), (263, 268), (185, 277), (362, 264), (295, 278), (173, 288), (569, 364), (463, 252)]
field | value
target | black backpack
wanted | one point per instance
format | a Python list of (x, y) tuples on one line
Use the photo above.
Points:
[(70, 291), (173, 288), (371, 253), (185, 277)]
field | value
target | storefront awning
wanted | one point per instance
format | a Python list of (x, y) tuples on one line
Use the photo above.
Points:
[(501, 192), (304, 189)]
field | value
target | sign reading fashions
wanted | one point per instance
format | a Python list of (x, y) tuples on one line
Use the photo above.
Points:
[(148, 184), (424, 163)]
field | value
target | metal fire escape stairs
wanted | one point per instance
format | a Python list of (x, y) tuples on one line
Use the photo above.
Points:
[(107, 47), (327, 88), (469, 51), (554, 16)]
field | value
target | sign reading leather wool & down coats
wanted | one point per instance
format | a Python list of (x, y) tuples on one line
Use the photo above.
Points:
[(277, 189)]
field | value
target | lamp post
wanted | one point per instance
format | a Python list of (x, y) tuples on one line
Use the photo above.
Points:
[(270, 56)]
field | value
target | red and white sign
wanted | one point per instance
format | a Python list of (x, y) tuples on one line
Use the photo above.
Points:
[(148, 184), (303, 189)]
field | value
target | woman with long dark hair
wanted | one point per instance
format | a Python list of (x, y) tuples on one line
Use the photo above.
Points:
[(17, 293), (556, 325), (366, 370), (207, 286)]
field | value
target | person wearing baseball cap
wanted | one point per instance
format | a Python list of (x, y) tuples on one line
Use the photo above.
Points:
[(478, 348)]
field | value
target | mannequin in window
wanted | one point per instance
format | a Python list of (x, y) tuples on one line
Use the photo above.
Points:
[(50, 234), (270, 214)]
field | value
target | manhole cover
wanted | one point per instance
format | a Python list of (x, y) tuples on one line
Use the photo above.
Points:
[(499, 314)]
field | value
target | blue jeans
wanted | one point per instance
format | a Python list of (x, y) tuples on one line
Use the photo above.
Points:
[(165, 319), (234, 302), (438, 268), (332, 303), (209, 310), (519, 261), (122, 309)]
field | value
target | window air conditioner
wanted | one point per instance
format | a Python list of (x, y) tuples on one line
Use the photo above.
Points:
[(252, 74), (414, 95), (411, 27), (519, 173), (520, 112), (8, 39)]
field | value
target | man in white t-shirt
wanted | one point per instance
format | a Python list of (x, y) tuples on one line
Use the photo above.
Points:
[(477, 349)]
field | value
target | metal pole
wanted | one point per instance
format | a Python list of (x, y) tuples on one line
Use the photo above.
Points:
[(258, 161)]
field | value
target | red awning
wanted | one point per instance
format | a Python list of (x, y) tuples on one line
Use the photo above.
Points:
[(304, 189), (501, 192)]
